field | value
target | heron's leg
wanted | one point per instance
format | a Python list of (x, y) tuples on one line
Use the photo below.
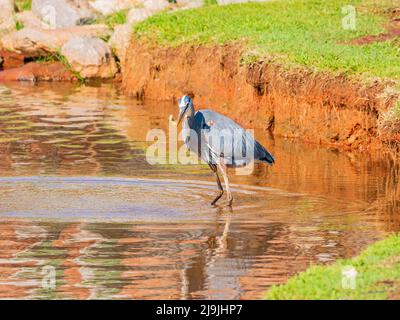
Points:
[(224, 170), (221, 190)]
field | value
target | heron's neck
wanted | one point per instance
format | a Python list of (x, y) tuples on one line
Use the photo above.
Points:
[(188, 121)]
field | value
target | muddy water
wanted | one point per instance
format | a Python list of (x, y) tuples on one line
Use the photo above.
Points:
[(77, 194)]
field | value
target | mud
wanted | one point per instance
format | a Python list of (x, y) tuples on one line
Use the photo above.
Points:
[(315, 107)]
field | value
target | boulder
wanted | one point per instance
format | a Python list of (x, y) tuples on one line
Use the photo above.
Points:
[(106, 7), (119, 41), (189, 4), (156, 5), (7, 22), (30, 20), (91, 57), (121, 37), (35, 42), (33, 71), (11, 59), (223, 2), (63, 13), (138, 14)]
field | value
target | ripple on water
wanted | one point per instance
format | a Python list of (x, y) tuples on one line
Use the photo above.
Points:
[(105, 198), (139, 200)]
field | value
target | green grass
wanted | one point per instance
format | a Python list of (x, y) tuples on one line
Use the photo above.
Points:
[(378, 276), (296, 32), (23, 5), (19, 25), (210, 2), (113, 19)]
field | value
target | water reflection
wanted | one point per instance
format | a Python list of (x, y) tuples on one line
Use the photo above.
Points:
[(76, 193)]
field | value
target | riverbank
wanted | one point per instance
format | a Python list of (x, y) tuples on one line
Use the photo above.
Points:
[(376, 275), (311, 106)]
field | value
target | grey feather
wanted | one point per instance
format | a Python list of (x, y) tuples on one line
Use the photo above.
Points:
[(213, 136)]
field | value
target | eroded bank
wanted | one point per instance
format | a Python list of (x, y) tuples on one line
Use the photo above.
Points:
[(291, 102)]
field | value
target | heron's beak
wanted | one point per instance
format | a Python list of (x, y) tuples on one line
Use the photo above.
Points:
[(181, 114)]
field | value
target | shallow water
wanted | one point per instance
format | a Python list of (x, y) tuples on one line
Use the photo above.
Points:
[(77, 194)]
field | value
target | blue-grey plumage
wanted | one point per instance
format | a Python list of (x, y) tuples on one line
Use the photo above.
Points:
[(219, 141)]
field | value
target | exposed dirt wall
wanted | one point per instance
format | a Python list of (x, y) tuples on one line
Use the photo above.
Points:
[(298, 103)]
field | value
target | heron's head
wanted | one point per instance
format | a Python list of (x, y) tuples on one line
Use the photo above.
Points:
[(186, 107)]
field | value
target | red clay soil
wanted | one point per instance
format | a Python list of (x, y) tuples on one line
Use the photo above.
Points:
[(298, 103), (33, 71), (11, 59), (393, 31)]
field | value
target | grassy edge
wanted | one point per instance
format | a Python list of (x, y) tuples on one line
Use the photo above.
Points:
[(378, 277), (23, 5), (58, 56), (168, 30), (113, 19)]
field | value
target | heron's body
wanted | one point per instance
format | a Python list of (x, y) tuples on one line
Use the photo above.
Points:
[(207, 124), (219, 141)]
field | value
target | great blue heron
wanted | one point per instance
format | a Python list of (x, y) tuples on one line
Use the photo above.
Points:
[(219, 141)]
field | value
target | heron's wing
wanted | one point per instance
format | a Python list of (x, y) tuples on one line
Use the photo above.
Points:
[(221, 136)]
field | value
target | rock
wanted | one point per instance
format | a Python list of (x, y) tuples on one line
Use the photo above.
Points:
[(30, 20), (121, 37), (11, 59), (156, 5), (103, 6), (34, 42), (119, 41), (62, 13), (29, 41), (91, 57), (223, 2), (106, 7), (7, 22), (33, 71), (189, 4), (138, 14)]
